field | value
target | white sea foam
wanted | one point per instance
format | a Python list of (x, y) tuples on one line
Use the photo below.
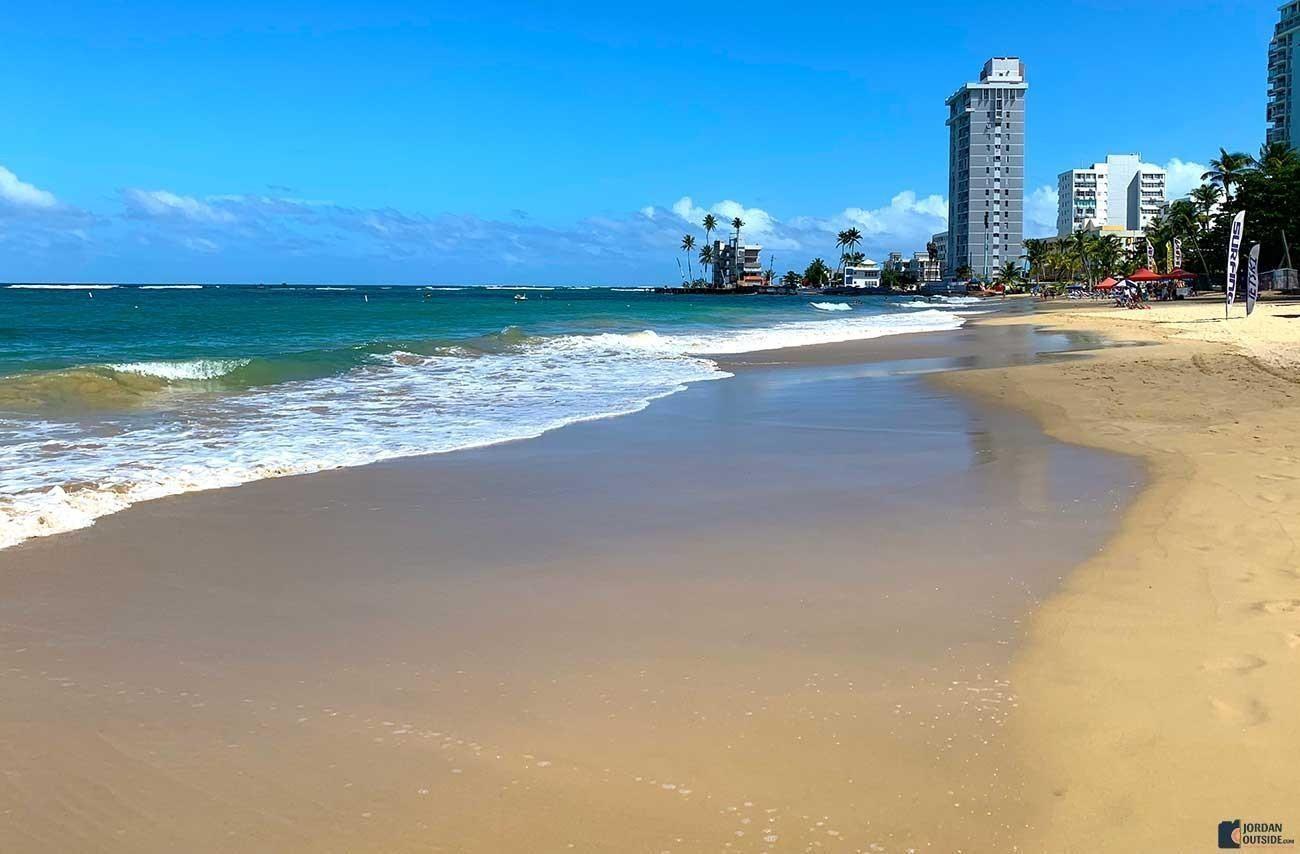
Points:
[(171, 287), (59, 476), (831, 306), (516, 288), (331, 288), (938, 301), (61, 287), (190, 369)]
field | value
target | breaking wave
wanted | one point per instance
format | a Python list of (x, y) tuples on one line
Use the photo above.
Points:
[(159, 428)]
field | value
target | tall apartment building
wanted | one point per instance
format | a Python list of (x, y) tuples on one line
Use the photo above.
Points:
[(1283, 94), (736, 265), (1122, 192), (986, 168)]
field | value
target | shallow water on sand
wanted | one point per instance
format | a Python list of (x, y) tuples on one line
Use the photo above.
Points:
[(772, 613)]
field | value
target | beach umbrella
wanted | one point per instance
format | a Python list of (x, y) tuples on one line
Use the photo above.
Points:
[(1107, 283), (1180, 273)]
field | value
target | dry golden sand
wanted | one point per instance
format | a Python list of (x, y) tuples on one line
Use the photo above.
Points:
[(1161, 688)]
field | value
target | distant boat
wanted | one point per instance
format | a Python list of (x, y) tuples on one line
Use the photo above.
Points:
[(520, 297)]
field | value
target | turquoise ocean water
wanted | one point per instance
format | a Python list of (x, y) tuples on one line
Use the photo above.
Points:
[(110, 395)]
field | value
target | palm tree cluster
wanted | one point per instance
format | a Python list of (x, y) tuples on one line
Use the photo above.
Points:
[(1086, 257), (706, 259), (847, 242), (1266, 186)]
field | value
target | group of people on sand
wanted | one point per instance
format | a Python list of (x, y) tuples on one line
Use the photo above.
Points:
[(1130, 295)]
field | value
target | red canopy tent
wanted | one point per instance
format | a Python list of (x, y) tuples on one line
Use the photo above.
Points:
[(1145, 275), (1107, 283), (1180, 273)]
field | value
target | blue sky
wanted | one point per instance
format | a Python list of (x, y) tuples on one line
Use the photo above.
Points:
[(560, 143)]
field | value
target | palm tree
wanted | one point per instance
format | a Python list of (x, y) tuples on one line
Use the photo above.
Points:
[(1079, 246), (1057, 262), (1226, 170), (706, 261), (1274, 157), (847, 240), (710, 223), (1106, 253), (737, 223), (1206, 198), (817, 274), (1035, 254), (688, 243), (1008, 274)]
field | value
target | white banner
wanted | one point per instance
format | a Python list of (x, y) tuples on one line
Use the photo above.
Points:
[(1252, 278), (1234, 258), (1151, 257), (1178, 254)]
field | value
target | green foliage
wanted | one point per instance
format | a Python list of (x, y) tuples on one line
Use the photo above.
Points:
[(817, 274), (1267, 188)]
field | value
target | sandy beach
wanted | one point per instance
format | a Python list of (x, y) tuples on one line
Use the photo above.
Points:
[(852, 599), (1158, 687), (775, 612)]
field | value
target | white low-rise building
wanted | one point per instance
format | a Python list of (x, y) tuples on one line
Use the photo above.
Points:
[(865, 274), (924, 268)]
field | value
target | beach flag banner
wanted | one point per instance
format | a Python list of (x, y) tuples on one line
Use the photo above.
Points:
[(1252, 278), (1151, 256), (1169, 257), (1234, 258), (1178, 254)]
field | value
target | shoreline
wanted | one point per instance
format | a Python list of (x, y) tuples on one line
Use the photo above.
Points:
[(1099, 748), (43, 497), (1159, 681), (602, 637)]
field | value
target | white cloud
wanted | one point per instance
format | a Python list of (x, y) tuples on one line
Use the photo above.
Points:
[(1040, 211), (759, 224), (906, 218), (1183, 177), (21, 194), (200, 244), (163, 203), (904, 225)]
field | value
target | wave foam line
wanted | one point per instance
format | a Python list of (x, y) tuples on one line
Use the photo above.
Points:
[(59, 477), (194, 369), (61, 287)]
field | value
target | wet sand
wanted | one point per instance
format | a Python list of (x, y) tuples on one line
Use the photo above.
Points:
[(770, 613)]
